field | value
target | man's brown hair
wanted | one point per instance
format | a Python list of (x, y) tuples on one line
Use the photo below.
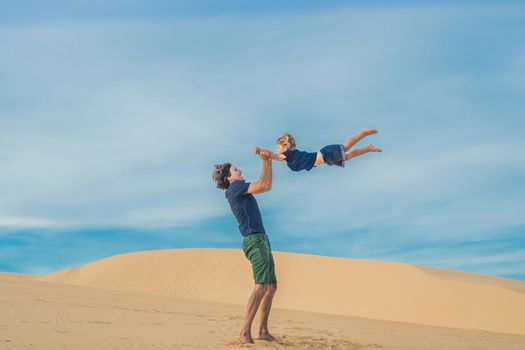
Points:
[(220, 175)]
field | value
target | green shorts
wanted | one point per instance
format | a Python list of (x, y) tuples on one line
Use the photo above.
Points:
[(257, 249)]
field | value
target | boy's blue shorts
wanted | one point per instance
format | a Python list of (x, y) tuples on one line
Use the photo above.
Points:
[(333, 155)]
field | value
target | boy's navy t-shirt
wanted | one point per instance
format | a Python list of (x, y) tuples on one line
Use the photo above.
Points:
[(300, 160), (245, 208)]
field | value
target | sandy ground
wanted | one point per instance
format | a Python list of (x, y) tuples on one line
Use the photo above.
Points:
[(349, 287), (45, 315)]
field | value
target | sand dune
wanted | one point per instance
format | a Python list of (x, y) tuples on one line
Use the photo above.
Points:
[(56, 316), (369, 289)]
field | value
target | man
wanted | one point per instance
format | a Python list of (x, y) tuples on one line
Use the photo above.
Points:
[(256, 246)]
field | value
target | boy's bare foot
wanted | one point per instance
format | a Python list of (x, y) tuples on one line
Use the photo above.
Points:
[(266, 336), (245, 339), (372, 148), (366, 132), (357, 137)]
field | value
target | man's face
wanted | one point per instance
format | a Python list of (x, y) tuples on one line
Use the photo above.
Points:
[(236, 174)]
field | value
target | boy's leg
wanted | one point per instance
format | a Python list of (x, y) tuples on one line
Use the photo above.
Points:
[(362, 150), (357, 137)]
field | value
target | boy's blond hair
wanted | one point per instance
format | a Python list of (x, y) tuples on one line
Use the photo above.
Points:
[(287, 140)]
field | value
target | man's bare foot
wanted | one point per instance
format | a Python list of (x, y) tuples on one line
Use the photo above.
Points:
[(266, 336), (245, 339), (372, 148), (366, 132)]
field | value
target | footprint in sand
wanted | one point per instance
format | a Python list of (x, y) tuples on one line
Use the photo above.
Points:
[(236, 343), (60, 331), (43, 300), (152, 323), (84, 305), (312, 342)]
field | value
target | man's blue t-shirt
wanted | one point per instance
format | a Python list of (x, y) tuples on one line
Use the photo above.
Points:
[(245, 208), (300, 160)]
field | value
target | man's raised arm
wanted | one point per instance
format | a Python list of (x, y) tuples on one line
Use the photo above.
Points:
[(264, 184)]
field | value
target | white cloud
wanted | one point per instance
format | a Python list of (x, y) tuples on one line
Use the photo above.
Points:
[(26, 222), (120, 122)]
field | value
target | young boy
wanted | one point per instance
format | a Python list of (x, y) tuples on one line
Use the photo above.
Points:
[(329, 155)]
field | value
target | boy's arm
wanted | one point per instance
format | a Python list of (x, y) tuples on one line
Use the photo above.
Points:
[(275, 156), (264, 184)]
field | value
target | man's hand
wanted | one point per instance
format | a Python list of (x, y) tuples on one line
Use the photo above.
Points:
[(271, 155), (264, 154), (264, 184)]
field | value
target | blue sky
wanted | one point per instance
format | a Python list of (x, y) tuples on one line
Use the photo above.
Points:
[(113, 113)]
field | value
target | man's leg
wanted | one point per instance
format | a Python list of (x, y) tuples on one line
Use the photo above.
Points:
[(253, 304), (266, 305)]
